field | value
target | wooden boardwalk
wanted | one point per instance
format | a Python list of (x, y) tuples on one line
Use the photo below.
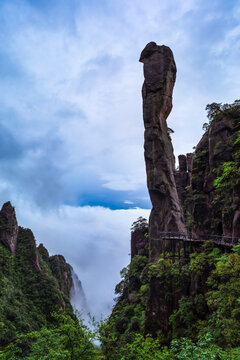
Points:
[(217, 239)]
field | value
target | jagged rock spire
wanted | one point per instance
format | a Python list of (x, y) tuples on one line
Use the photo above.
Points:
[(8, 226), (160, 74)]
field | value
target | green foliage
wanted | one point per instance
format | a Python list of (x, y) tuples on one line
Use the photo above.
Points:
[(190, 317), (29, 291), (215, 109), (140, 224), (3, 224), (228, 174), (204, 260), (229, 177), (143, 294), (189, 221), (145, 348), (185, 349), (203, 289), (223, 300), (137, 264), (205, 324), (76, 338), (236, 248), (67, 339), (128, 315)]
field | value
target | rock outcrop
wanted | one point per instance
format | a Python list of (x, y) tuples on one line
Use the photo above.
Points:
[(27, 241), (170, 285), (8, 227), (40, 283), (218, 148), (207, 211), (183, 175), (191, 190), (78, 297), (160, 74), (63, 272), (166, 215), (139, 242)]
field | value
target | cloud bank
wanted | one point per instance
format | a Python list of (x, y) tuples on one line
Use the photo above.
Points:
[(70, 85), (94, 240)]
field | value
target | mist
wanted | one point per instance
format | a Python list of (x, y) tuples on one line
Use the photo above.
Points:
[(94, 240)]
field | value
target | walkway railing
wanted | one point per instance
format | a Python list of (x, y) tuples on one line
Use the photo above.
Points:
[(219, 239)]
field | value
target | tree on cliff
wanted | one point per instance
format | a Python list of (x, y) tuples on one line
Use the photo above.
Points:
[(216, 108), (140, 224), (213, 109)]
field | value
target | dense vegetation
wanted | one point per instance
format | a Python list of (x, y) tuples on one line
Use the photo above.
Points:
[(29, 289), (34, 290), (205, 326), (206, 323), (202, 285), (66, 338)]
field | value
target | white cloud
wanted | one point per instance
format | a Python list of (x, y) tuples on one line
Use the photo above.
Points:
[(81, 86), (229, 43)]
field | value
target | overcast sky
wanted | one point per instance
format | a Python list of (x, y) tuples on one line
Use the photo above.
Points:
[(71, 129)]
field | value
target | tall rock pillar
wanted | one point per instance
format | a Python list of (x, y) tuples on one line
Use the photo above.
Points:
[(160, 74), (8, 227)]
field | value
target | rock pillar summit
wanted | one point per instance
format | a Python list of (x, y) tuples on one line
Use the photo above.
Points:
[(8, 227), (160, 75)]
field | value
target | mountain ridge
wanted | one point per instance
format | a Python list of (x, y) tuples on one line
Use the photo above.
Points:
[(33, 284)]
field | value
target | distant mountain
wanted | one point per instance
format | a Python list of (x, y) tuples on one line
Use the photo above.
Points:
[(32, 283)]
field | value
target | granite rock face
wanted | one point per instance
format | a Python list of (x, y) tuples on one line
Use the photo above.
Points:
[(209, 208), (63, 272), (214, 148), (14, 237), (8, 227), (183, 176), (27, 240), (36, 284), (138, 243), (208, 214), (160, 74)]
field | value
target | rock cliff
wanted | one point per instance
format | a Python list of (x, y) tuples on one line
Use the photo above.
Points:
[(139, 243), (191, 190), (175, 288), (210, 209), (63, 272), (29, 277), (8, 226), (160, 74)]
